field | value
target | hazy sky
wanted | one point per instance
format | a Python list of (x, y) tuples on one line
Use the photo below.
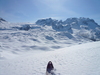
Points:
[(32, 10)]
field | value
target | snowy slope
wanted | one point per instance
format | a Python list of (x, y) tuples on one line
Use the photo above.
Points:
[(81, 59)]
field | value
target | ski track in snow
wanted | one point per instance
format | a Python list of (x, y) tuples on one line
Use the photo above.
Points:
[(81, 59)]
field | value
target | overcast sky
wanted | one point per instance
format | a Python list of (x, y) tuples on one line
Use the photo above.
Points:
[(32, 10)]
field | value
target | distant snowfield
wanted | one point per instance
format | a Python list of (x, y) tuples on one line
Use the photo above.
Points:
[(82, 59)]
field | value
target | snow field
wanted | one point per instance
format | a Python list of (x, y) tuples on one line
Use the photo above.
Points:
[(81, 59)]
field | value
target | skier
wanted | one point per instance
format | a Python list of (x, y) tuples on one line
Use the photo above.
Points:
[(50, 68)]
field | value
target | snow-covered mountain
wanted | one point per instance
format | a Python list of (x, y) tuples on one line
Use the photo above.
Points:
[(83, 27), (26, 48), (46, 34)]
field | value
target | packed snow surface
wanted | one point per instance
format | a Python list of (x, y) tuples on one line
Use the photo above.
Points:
[(81, 59)]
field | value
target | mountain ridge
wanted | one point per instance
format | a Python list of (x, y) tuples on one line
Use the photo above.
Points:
[(81, 27), (46, 34), (70, 24)]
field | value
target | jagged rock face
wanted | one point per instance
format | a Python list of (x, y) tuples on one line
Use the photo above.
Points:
[(48, 22), (73, 22), (77, 23), (84, 27)]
